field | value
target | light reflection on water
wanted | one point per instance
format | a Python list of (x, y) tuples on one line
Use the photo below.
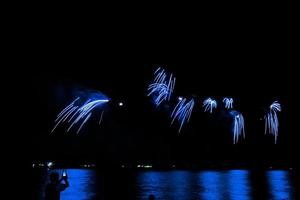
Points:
[(239, 184), (279, 183), (232, 184), (82, 185), (184, 185), (212, 184), (166, 185)]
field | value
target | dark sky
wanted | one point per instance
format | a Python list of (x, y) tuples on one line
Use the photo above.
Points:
[(253, 63)]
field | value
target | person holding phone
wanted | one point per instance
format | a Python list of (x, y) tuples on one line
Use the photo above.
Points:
[(56, 186)]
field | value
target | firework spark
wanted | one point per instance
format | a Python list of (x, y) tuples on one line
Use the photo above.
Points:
[(209, 104), (182, 111), (162, 86), (271, 119), (238, 126), (228, 103), (78, 114)]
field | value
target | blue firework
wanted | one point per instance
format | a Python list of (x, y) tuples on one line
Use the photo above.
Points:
[(271, 119), (162, 86), (182, 111)]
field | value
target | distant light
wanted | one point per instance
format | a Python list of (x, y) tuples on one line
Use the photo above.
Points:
[(147, 166), (173, 166), (120, 104), (50, 164), (123, 166), (180, 98), (33, 165), (138, 166)]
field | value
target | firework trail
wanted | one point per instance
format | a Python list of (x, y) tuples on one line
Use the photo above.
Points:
[(228, 103), (238, 126), (182, 111), (162, 86), (78, 114), (271, 119), (209, 104), (101, 117)]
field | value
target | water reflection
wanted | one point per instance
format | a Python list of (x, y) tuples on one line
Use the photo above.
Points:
[(233, 184), (82, 185), (238, 185), (279, 183), (167, 185), (180, 185), (212, 184)]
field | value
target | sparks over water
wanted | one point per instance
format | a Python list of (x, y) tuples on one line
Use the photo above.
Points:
[(228, 103), (162, 86), (209, 104), (271, 119), (238, 125), (182, 111), (79, 113)]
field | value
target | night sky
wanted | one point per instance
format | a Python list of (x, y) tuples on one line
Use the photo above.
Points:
[(139, 131), (253, 66)]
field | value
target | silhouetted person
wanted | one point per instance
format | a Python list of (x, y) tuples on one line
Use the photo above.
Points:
[(151, 197), (55, 186)]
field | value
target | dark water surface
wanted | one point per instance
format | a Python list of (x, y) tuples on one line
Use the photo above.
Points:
[(88, 184)]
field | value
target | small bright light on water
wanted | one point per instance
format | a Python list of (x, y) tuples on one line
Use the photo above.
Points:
[(120, 104)]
